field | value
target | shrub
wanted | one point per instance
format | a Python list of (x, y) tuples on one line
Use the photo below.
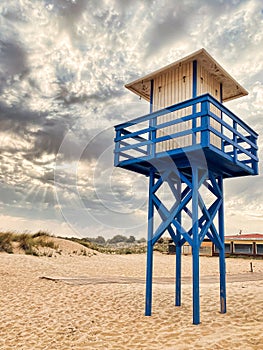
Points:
[(117, 239), (26, 243), (43, 241), (40, 234), (99, 240), (131, 239), (6, 242)]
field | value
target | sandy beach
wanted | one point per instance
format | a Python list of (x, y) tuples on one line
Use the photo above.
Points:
[(96, 301)]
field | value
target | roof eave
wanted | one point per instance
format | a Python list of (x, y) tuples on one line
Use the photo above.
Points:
[(196, 55)]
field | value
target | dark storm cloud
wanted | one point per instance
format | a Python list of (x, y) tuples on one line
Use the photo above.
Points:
[(16, 118), (124, 5), (72, 14), (69, 11), (72, 10), (47, 140), (168, 28), (8, 195), (85, 145), (32, 134), (98, 144), (103, 93), (12, 58), (174, 22)]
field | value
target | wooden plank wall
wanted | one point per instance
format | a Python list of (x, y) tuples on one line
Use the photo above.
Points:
[(169, 88), (206, 83), (176, 86)]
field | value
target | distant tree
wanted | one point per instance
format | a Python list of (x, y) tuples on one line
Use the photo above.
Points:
[(117, 239), (141, 240), (99, 240), (85, 239), (131, 239)]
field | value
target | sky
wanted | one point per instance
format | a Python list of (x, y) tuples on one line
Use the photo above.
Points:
[(63, 66)]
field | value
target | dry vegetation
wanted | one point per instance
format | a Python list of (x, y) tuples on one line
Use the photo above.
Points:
[(43, 244), (134, 247), (31, 244)]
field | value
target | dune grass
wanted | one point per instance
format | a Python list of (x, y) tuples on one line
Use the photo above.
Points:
[(27, 242), (31, 244), (6, 242)]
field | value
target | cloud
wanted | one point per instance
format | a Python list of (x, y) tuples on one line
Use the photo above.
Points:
[(12, 59), (63, 65)]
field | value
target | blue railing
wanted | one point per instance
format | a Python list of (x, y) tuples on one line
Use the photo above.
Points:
[(200, 122)]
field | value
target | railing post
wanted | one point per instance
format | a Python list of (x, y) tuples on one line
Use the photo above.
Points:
[(235, 141), (221, 116), (151, 149), (254, 152), (205, 124), (117, 148), (194, 92), (152, 134), (154, 143)]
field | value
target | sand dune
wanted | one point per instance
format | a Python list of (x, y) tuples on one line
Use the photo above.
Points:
[(97, 302)]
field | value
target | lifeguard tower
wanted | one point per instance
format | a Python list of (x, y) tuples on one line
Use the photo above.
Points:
[(190, 142)]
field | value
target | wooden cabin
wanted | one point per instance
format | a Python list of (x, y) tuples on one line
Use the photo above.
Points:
[(187, 114), (175, 83)]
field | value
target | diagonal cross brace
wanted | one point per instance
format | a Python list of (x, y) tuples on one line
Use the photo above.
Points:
[(170, 218), (208, 215), (165, 176), (164, 213)]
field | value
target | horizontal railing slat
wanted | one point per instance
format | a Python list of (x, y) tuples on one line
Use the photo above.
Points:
[(163, 111), (179, 120), (216, 132), (133, 135), (234, 131), (177, 134), (227, 111), (136, 145), (243, 139)]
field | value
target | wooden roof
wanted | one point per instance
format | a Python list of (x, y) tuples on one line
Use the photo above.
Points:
[(231, 88)]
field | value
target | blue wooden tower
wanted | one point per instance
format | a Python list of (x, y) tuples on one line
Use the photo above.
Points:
[(190, 142)]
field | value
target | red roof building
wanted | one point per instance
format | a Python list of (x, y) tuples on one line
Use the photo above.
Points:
[(246, 237), (250, 244)]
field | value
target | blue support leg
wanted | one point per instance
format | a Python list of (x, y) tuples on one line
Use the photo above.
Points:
[(196, 293), (149, 267), (195, 248), (178, 251), (148, 303), (222, 265)]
